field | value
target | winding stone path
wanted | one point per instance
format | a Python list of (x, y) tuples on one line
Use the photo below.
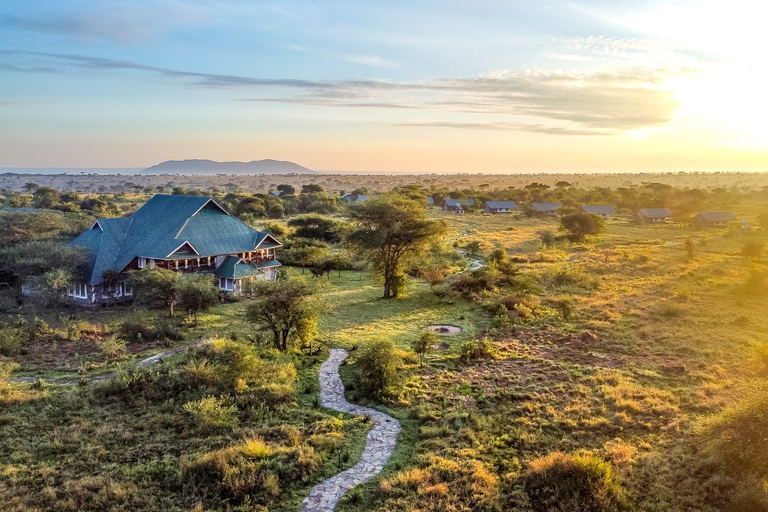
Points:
[(379, 444)]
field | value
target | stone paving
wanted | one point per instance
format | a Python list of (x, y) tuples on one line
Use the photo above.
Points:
[(379, 444)]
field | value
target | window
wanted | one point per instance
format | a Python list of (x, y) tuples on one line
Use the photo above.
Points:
[(142, 262)]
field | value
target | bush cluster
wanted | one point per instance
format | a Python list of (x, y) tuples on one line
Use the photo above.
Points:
[(561, 482)]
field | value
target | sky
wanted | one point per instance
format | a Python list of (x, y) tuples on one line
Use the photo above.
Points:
[(429, 86)]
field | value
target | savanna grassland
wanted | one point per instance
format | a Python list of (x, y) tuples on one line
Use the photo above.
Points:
[(623, 362), (666, 326), (116, 183)]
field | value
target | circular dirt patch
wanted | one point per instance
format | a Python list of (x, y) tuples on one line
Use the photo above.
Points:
[(444, 330)]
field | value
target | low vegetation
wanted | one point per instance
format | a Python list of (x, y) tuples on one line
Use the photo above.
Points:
[(621, 368)]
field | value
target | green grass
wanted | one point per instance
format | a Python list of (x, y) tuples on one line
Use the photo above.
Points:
[(358, 313), (676, 339)]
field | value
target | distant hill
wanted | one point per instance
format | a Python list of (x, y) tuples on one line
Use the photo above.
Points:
[(211, 167)]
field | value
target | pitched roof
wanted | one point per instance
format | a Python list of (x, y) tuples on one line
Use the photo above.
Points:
[(468, 202), (716, 216), (430, 200), (501, 204), (166, 227), (600, 209), (234, 267), (545, 207), (655, 212), (452, 202)]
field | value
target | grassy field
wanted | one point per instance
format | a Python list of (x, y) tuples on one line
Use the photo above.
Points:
[(667, 327), (673, 327)]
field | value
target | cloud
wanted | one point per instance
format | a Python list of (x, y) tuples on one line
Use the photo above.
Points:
[(371, 60), (548, 101), (501, 126), (27, 69), (123, 23)]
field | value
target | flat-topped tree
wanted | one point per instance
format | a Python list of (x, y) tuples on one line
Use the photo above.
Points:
[(388, 231)]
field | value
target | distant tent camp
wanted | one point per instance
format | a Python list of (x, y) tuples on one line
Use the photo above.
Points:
[(647, 216), (545, 208), (714, 219), (599, 209), (453, 206), (499, 206)]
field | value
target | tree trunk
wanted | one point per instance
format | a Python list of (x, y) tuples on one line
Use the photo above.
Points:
[(170, 308)]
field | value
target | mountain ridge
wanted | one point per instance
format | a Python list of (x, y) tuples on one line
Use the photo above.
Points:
[(208, 167)]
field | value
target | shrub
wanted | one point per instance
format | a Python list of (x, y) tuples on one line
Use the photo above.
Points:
[(498, 255), (475, 282), (547, 238), (560, 482), (424, 344), (752, 250), (578, 225), (566, 306), (477, 349), (10, 341), (213, 412), (252, 470), (6, 369), (377, 370), (136, 329), (743, 424), (141, 329), (112, 346)]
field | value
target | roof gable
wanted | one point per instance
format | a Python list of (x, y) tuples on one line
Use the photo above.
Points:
[(165, 226)]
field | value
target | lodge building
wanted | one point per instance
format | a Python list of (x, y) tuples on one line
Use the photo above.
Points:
[(189, 234)]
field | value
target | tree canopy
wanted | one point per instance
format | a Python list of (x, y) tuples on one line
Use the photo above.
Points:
[(286, 309), (578, 225), (388, 231)]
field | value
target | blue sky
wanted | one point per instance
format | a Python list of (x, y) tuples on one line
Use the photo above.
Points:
[(385, 86)]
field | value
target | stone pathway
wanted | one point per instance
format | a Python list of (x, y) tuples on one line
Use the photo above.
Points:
[(379, 444), (107, 376)]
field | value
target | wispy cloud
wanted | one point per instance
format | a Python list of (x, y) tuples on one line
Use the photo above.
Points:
[(502, 126), (371, 60), (548, 101), (124, 23), (27, 69), (627, 51)]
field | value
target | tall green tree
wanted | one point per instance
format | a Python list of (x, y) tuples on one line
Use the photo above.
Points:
[(388, 231), (578, 225), (197, 293), (286, 309), (157, 286)]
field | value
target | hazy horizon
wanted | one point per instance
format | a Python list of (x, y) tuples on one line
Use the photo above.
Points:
[(561, 87)]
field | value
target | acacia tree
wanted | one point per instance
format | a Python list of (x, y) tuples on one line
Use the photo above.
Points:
[(287, 309), (197, 293), (388, 231), (578, 225), (157, 286)]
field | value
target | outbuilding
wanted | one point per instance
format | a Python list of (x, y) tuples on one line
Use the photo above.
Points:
[(714, 219), (499, 206), (603, 210), (545, 208), (647, 216)]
